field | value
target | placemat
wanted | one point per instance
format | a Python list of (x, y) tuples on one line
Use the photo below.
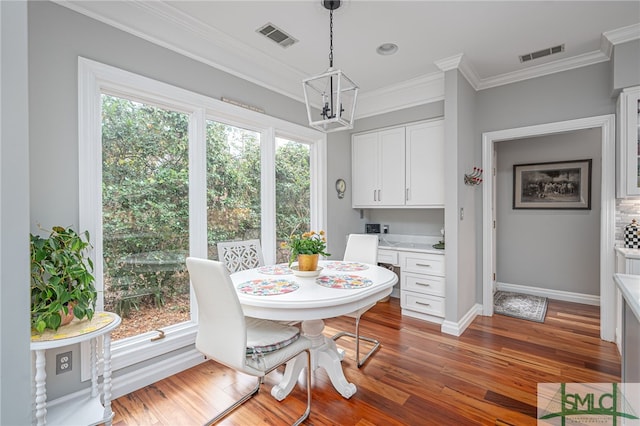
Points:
[(343, 281), (267, 287), (346, 266), (280, 269)]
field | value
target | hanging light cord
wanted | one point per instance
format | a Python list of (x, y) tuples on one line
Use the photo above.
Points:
[(327, 109), (331, 38)]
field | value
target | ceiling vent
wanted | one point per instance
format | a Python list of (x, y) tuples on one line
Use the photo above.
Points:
[(541, 53), (276, 34)]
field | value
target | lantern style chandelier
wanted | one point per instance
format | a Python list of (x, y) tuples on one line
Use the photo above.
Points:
[(332, 90)]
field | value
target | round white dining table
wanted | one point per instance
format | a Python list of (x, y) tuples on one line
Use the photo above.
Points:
[(275, 293)]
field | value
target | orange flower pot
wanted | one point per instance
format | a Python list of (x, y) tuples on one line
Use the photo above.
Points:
[(308, 262)]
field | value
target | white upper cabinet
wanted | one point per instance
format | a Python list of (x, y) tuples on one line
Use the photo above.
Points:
[(399, 167), (377, 168), (425, 164), (628, 144)]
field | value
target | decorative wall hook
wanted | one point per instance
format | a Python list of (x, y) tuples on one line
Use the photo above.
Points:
[(473, 178)]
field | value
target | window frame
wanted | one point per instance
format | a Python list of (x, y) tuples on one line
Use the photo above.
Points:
[(94, 79)]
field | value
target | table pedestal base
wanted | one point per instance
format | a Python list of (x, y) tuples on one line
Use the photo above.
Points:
[(324, 353)]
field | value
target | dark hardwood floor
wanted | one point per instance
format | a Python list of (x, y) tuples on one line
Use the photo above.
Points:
[(419, 376)]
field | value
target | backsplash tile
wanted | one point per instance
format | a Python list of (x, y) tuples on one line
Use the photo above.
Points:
[(625, 211)]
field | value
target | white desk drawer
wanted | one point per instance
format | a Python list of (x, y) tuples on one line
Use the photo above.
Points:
[(388, 256), (423, 263), (431, 305), (425, 284)]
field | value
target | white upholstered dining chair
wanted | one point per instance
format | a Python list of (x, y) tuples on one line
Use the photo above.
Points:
[(361, 248), (249, 345), (241, 255)]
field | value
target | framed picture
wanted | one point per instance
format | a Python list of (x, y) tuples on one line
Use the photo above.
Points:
[(554, 185)]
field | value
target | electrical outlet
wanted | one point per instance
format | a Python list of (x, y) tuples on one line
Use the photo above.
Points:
[(63, 362)]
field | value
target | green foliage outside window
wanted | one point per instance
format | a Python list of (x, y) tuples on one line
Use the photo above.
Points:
[(145, 193)]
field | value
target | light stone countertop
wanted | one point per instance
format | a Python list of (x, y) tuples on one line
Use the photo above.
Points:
[(629, 253), (629, 286), (415, 243)]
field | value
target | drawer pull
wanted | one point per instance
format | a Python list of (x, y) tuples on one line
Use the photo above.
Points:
[(423, 264), (424, 284), (423, 304)]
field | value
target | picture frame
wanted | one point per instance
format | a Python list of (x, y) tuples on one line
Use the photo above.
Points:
[(557, 185)]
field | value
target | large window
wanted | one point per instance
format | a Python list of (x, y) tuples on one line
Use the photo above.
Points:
[(145, 215), (166, 173), (233, 185), (293, 191)]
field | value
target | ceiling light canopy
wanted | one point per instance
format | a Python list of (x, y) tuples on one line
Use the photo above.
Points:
[(332, 90)]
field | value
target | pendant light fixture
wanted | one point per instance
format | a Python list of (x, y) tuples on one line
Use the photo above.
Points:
[(332, 91)]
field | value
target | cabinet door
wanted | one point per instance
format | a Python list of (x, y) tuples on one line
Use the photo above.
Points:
[(628, 143), (392, 167), (364, 170), (425, 164), (633, 267)]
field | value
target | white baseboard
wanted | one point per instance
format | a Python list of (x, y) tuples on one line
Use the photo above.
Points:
[(422, 316), (567, 296), (137, 379), (457, 328)]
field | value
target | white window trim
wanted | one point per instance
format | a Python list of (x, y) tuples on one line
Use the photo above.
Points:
[(95, 78)]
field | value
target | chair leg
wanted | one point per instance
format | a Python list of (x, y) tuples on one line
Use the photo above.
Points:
[(255, 390), (236, 404), (305, 415), (358, 337)]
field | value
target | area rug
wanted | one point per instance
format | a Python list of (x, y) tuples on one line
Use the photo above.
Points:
[(517, 305)]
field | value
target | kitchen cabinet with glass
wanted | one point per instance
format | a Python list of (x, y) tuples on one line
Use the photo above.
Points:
[(628, 143)]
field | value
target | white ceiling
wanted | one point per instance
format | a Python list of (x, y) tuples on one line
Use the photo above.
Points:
[(489, 35)]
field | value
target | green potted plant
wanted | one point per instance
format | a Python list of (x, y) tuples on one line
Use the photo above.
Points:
[(306, 248), (62, 284)]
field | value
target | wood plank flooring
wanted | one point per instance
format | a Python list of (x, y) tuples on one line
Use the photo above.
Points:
[(487, 376)]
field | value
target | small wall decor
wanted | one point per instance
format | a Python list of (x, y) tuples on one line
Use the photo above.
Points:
[(553, 185), (473, 178), (341, 186)]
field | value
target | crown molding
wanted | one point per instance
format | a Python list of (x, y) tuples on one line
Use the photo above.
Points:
[(544, 69), (450, 63), (608, 40), (623, 35), (460, 62), (417, 91), (194, 39)]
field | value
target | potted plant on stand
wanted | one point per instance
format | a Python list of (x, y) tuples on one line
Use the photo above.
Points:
[(62, 284), (306, 249)]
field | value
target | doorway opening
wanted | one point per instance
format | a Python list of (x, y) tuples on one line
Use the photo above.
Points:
[(606, 124)]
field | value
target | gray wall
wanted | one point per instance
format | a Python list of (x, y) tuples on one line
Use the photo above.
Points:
[(15, 365), (462, 153), (578, 93), (550, 249)]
